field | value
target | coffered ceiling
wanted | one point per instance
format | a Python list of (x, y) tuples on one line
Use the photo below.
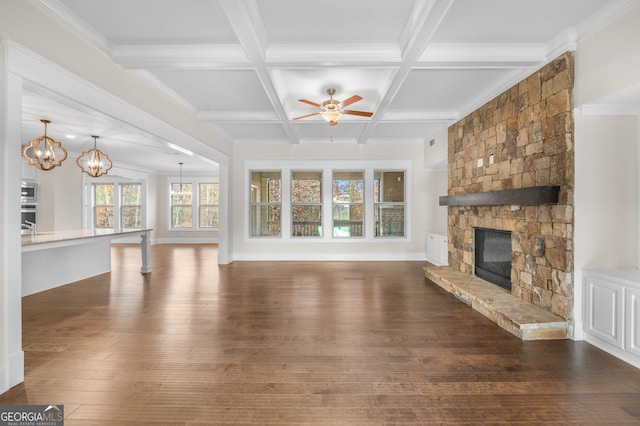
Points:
[(419, 65)]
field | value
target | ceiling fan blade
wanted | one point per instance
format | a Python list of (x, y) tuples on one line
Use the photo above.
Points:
[(351, 100), (360, 113), (305, 116), (306, 101)]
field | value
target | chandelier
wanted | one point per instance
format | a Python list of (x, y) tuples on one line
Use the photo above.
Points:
[(44, 152), (179, 192), (94, 162)]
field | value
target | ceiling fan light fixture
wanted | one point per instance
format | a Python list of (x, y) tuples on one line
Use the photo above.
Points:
[(44, 153), (331, 116), (331, 110)]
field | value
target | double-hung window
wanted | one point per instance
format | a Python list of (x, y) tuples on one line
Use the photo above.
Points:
[(103, 200), (389, 203), (209, 206), (266, 203), (194, 204), (322, 201), (306, 204), (181, 205), (131, 205), (117, 204), (348, 203)]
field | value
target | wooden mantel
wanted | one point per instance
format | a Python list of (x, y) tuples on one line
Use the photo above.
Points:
[(533, 195)]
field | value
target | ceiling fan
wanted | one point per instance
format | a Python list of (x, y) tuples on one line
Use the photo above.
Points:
[(333, 109)]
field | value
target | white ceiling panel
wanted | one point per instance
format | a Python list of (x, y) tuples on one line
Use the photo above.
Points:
[(127, 22), (511, 21), (446, 89), (209, 90), (418, 131), (243, 132), (353, 21)]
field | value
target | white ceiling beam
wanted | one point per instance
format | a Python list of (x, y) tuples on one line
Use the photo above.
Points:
[(293, 55), (244, 19), (424, 26)]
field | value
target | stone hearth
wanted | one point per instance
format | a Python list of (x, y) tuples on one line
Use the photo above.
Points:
[(522, 319)]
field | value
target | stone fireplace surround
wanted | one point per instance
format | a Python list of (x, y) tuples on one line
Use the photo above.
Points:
[(521, 139)]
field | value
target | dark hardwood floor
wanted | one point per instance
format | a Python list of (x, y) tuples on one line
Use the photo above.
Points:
[(368, 343)]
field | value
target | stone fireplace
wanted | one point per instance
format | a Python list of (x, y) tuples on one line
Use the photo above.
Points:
[(520, 140)]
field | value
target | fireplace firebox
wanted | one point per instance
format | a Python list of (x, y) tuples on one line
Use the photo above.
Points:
[(492, 253)]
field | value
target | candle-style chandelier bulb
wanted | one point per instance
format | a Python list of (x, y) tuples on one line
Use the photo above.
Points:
[(94, 162)]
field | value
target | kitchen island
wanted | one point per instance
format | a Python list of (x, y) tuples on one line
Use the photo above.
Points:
[(52, 259)]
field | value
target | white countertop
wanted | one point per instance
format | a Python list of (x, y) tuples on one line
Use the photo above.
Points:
[(77, 234)]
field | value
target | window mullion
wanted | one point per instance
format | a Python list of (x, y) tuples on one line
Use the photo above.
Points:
[(369, 213)]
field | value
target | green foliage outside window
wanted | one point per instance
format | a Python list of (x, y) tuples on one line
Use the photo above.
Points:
[(181, 205), (209, 205), (306, 208), (131, 205), (103, 210), (266, 209)]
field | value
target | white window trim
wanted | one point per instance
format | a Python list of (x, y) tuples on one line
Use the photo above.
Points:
[(286, 167), (195, 210)]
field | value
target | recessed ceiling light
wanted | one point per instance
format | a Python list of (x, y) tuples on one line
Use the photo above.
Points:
[(70, 136)]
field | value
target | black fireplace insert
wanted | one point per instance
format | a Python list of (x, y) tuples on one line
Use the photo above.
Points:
[(492, 252)]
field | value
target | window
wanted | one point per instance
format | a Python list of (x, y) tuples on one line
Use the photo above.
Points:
[(103, 205), (114, 202), (348, 204), (181, 205), (131, 205), (306, 204), (266, 204), (388, 204), (319, 201), (194, 204), (209, 205)]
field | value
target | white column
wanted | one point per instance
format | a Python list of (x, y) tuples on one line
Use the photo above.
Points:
[(225, 242), (11, 354), (145, 248)]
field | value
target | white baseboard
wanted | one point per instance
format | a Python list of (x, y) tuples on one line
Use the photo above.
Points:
[(361, 257), (183, 240), (12, 372), (612, 350)]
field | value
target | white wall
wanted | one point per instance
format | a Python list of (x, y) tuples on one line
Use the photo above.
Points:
[(606, 153), (436, 162), (333, 155), (608, 61), (60, 198), (606, 191), (435, 214)]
